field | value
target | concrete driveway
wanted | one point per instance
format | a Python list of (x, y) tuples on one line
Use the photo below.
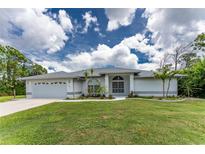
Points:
[(10, 107)]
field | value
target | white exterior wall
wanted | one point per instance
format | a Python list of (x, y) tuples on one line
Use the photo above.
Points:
[(70, 88), (28, 89), (77, 89), (84, 87), (153, 87), (74, 87)]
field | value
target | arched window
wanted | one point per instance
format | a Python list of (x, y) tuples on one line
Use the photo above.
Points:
[(118, 78), (118, 84), (93, 85)]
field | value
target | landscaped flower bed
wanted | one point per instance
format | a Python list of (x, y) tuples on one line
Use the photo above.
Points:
[(92, 97)]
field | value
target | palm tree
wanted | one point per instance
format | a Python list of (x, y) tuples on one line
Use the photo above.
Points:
[(91, 71), (86, 74), (163, 74), (171, 74)]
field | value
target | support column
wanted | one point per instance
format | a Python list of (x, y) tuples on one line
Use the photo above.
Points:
[(131, 82), (107, 84), (73, 88)]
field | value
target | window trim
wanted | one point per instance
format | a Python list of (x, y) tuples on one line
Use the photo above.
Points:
[(118, 85), (93, 86)]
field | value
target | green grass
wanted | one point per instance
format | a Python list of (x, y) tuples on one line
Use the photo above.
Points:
[(126, 122), (9, 98)]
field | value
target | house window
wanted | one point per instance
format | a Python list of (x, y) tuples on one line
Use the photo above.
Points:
[(118, 84), (93, 86)]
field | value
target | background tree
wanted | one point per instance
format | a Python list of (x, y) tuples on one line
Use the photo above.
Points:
[(37, 70), (199, 42), (176, 56), (183, 55), (13, 65), (188, 59), (194, 82)]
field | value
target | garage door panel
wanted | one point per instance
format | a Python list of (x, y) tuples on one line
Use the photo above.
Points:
[(49, 90)]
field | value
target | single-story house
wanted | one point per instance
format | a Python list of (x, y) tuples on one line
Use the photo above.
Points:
[(116, 81)]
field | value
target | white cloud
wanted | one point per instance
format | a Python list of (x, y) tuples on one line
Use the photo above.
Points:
[(119, 56), (89, 20), (148, 66), (41, 32), (56, 65), (65, 20), (140, 43), (97, 29), (171, 27), (119, 17), (37, 31)]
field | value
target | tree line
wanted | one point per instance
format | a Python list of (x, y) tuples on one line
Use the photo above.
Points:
[(13, 65), (189, 61)]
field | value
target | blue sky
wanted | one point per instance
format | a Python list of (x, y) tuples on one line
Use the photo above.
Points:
[(86, 41), (73, 39)]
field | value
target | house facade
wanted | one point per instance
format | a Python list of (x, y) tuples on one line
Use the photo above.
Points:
[(116, 82)]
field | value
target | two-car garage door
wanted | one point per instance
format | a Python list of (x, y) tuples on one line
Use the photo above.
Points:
[(55, 89)]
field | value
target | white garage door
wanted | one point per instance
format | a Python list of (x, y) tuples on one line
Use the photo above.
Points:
[(56, 89)]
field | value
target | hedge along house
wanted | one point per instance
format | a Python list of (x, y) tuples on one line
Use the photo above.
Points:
[(117, 82)]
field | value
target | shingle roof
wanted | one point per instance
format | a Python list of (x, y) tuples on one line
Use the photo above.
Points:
[(96, 72), (145, 74), (150, 74)]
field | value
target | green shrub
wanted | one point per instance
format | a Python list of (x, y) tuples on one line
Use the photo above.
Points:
[(110, 97), (132, 95)]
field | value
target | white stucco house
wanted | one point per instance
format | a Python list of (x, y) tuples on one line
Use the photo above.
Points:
[(117, 82)]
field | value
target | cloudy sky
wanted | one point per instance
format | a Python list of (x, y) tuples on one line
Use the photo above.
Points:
[(74, 39)]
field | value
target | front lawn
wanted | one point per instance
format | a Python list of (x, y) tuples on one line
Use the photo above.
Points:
[(9, 98), (130, 121)]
